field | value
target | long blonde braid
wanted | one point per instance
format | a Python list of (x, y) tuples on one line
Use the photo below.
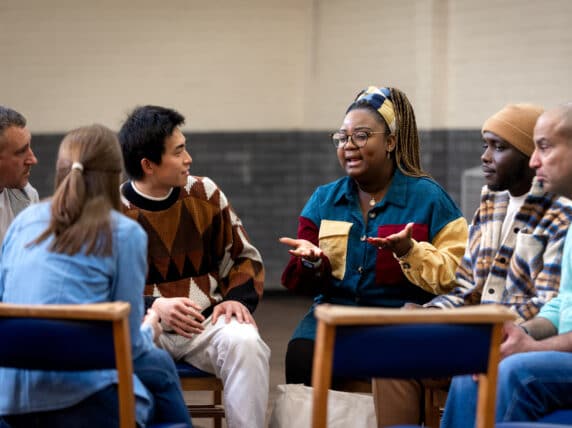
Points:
[(407, 156)]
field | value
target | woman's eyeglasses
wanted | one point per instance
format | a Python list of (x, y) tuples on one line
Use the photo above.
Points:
[(358, 138)]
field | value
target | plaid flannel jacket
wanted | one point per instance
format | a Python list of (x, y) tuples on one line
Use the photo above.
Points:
[(523, 271)]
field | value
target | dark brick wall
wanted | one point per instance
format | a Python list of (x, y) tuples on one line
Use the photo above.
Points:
[(268, 176), (445, 154)]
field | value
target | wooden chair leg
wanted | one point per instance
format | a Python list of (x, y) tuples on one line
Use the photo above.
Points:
[(213, 409), (322, 373), (432, 410), (217, 400)]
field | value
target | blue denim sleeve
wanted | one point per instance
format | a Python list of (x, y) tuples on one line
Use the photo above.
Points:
[(7, 238), (129, 280), (1, 282)]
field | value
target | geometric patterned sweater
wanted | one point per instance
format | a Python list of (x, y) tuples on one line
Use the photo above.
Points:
[(198, 247)]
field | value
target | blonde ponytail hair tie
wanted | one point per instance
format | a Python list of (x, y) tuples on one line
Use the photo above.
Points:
[(78, 166)]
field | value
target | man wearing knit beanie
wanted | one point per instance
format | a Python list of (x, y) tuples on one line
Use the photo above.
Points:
[(508, 138), (529, 388), (501, 263), (515, 123), (513, 253)]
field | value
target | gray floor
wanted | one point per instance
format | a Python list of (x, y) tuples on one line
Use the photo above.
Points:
[(276, 316)]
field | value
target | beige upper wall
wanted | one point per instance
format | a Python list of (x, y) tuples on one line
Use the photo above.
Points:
[(507, 51), (272, 64), (224, 64), (354, 45)]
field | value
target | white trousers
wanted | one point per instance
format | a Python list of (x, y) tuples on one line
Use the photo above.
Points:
[(236, 354)]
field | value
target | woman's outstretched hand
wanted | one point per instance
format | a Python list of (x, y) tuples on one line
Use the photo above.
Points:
[(302, 248), (399, 243)]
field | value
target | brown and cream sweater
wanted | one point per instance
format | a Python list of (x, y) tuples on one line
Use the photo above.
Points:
[(198, 247)]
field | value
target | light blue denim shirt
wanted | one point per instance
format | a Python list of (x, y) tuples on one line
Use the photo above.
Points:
[(559, 310), (33, 275)]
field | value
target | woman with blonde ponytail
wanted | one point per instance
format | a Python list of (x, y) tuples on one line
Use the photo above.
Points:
[(77, 248), (88, 173)]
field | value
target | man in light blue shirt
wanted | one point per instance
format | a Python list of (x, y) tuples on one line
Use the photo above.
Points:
[(535, 375)]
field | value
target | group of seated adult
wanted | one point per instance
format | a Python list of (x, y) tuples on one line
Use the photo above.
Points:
[(385, 234)]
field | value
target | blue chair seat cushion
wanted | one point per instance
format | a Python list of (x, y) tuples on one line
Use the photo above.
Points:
[(556, 419), (188, 370), (167, 425), (531, 425), (563, 416)]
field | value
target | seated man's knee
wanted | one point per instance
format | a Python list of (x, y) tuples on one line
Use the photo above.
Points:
[(516, 366), (243, 337)]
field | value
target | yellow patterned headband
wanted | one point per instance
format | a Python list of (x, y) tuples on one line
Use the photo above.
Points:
[(379, 99)]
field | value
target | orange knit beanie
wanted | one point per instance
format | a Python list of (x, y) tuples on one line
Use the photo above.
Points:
[(515, 124)]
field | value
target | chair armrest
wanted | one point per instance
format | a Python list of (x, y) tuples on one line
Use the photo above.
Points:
[(106, 311), (359, 315)]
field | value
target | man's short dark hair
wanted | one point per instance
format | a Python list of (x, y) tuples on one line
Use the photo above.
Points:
[(9, 117), (143, 136)]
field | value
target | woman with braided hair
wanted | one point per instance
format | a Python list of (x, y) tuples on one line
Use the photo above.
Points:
[(383, 235)]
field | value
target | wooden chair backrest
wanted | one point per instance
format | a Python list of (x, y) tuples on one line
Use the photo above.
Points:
[(96, 335), (365, 348)]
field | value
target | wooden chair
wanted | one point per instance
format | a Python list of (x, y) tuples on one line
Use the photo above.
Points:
[(435, 392), (193, 379), (71, 338), (397, 343)]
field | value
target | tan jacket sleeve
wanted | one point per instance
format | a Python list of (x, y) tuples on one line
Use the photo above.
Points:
[(432, 266)]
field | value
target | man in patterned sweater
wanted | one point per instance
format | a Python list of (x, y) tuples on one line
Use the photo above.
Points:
[(205, 278)]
